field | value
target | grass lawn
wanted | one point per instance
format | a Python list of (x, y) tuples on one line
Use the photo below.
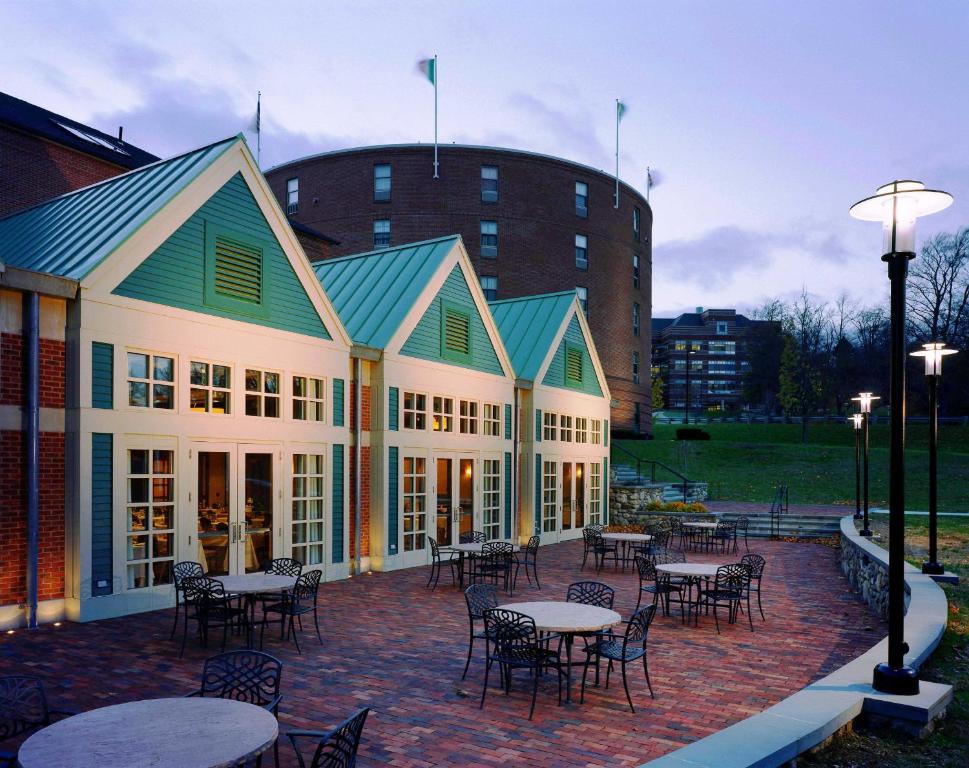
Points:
[(949, 746), (744, 462)]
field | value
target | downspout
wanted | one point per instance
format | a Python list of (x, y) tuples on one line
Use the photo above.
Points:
[(358, 470), (516, 469), (32, 358)]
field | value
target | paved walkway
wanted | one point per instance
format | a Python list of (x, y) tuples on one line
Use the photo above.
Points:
[(392, 645)]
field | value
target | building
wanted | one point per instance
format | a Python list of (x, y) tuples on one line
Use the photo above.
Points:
[(713, 343), (531, 224)]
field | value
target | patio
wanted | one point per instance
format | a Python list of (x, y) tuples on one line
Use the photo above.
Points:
[(398, 648)]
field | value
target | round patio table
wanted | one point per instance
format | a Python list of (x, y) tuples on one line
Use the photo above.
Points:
[(700, 524), (155, 733), (471, 549), (627, 540), (693, 573), (250, 585), (568, 620)]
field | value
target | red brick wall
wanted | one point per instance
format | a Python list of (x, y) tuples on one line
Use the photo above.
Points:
[(52, 383), (364, 407), (364, 503)]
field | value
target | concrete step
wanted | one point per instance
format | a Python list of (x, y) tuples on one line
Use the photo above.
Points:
[(800, 526)]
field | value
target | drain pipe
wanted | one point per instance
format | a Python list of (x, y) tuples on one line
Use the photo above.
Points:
[(32, 358), (515, 469), (358, 470)]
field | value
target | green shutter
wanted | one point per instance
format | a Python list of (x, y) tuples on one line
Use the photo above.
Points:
[(508, 433), (102, 512), (238, 270), (538, 494), (605, 433), (507, 495), (338, 385), (337, 507), (393, 409), (573, 366), (538, 425), (455, 333), (605, 491), (393, 490), (102, 375)]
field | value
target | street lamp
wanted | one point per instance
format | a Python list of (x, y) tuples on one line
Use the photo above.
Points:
[(856, 422), (690, 350), (897, 206), (933, 352), (865, 400)]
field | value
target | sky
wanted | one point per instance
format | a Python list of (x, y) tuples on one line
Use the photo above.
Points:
[(764, 120)]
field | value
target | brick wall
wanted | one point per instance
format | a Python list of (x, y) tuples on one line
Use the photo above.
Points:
[(364, 503), (52, 383)]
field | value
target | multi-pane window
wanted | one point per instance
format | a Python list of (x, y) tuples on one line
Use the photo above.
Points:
[(443, 414), (467, 417), (308, 508), (381, 233), (635, 270), (150, 515), (635, 318), (381, 182), (491, 424), (262, 393), (581, 199), (309, 395), (722, 366), (489, 239), (549, 426), (581, 429), (722, 347), (415, 410), (565, 428), (489, 286), (292, 195), (415, 502), (549, 497), (595, 493), (596, 432), (489, 184), (491, 498), (680, 346), (636, 220), (635, 367), (151, 381), (211, 387), (583, 293), (581, 251), (721, 328)]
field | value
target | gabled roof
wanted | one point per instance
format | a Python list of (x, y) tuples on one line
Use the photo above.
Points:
[(71, 234), (528, 328), (38, 121), (373, 292)]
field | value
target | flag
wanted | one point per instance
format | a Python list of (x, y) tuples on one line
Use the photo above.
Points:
[(620, 110), (428, 67), (254, 125)]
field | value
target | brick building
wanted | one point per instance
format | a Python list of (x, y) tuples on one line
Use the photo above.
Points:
[(531, 223)]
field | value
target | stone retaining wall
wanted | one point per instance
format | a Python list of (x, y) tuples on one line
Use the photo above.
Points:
[(867, 574), (627, 503)]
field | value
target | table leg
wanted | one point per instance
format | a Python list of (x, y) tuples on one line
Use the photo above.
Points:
[(568, 668)]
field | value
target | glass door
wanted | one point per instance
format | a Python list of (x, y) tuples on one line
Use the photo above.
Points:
[(567, 481), (455, 488), (466, 478), (257, 523), (414, 506), (445, 502), (578, 517), (215, 517)]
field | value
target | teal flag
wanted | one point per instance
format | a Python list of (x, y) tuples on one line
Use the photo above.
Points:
[(620, 110), (428, 68)]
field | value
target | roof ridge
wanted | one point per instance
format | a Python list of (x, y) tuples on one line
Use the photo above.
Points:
[(532, 297), (416, 243)]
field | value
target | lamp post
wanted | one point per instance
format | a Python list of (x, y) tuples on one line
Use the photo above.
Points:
[(689, 352), (865, 399), (856, 420), (897, 206), (933, 352)]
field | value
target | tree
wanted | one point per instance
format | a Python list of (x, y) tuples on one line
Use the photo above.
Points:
[(804, 359), (657, 391), (764, 344), (938, 295)]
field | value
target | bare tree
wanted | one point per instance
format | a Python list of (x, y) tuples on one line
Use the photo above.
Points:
[(805, 359), (938, 296)]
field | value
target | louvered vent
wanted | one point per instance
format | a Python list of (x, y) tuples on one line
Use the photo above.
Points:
[(573, 365), (457, 333), (238, 271)]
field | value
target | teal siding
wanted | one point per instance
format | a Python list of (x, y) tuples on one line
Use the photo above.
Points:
[(605, 492), (538, 425), (102, 509), (507, 495), (102, 375), (507, 421), (337, 508), (393, 409), (174, 275), (425, 339), (393, 491), (538, 494), (338, 387), (555, 376)]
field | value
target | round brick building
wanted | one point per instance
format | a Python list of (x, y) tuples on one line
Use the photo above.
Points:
[(531, 223)]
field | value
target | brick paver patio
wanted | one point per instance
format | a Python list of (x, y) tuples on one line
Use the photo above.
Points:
[(393, 646)]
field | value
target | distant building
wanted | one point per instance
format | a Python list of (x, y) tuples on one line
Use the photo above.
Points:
[(712, 343)]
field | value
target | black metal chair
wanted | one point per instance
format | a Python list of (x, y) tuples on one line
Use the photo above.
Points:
[(588, 542), (474, 537), (631, 647), (602, 548), (249, 676), (437, 562), (591, 593), (756, 563), (743, 525), (279, 566), (650, 583), (496, 561), (673, 589), (294, 605), (723, 536), (336, 748), (528, 558), (23, 710), (181, 571), (209, 606), (479, 597), (727, 589), (513, 643)]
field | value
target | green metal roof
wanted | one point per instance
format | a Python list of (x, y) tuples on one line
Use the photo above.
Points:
[(528, 327), (70, 235), (373, 292)]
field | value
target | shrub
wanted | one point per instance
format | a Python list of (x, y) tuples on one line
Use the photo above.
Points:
[(692, 433)]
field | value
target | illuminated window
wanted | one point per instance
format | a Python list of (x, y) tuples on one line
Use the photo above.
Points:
[(491, 423), (309, 395), (415, 410), (415, 503), (308, 508), (150, 515), (443, 420), (151, 381), (211, 387), (549, 497), (468, 417), (595, 493), (491, 498), (262, 394)]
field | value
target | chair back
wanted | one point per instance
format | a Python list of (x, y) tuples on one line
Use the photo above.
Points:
[(338, 749), (307, 587), (742, 523), (595, 527), (185, 570), (23, 705), (285, 566), (250, 676), (480, 597), (732, 577), (725, 529), (472, 537), (531, 548), (435, 549), (666, 555), (591, 593), (495, 548), (589, 536), (201, 590), (646, 569), (638, 626), (756, 565), (511, 633)]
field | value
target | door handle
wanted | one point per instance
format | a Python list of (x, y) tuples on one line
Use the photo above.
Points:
[(232, 533)]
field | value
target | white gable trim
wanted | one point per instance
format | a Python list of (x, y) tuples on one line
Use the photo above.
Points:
[(575, 310)]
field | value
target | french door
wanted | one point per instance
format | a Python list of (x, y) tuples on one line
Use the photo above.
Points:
[(573, 498), (456, 512)]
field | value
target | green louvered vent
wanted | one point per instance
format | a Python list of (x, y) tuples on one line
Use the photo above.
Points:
[(238, 271), (457, 332), (573, 366)]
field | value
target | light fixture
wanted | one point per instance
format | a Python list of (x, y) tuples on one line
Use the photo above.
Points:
[(897, 206), (865, 400), (933, 352), (856, 420)]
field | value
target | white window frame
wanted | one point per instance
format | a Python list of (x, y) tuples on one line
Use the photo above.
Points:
[(581, 429), (150, 504), (595, 432), (491, 497), (582, 211), (491, 420), (722, 328), (468, 417), (442, 410), (384, 233), (565, 428), (550, 488), (308, 400), (414, 408), (582, 244), (152, 381), (492, 286), (414, 490), (489, 229), (549, 426), (209, 388), (595, 493), (583, 295), (489, 195), (262, 395), (378, 193), (292, 194)]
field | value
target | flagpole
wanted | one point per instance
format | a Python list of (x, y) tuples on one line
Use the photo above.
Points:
[(617, 154), (435, 115), (649, 183), (258, 129)]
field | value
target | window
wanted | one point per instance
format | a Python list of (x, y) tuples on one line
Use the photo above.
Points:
[(679, 346), (583, 293), (415, 410), (722, 366), (636, 219), (573, 366), (596, 432), (722, 328), (722, 347), (151, 381), (581, 199), (581, 429), (696, 365), (595, 493), (635, 367), (381, 233), (211, 390), (309, 395), (679, 365), (262, 393), (489, 239), (292, 195), (150, 514), (549, 426), (635, 318), (565, 428), (489, 184), (308, 506), (637, 416), (443, 414), (491, 498), (415, 502), (489, 286), (467, 417), (491, 424), (456, 334), (549, 497), (635, 270), (581, 252), (381, 183)]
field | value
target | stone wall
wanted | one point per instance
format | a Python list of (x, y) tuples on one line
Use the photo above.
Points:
[(628, 503), (868, 575)]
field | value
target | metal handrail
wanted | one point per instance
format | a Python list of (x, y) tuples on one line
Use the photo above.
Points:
[(652, 470), (778, 507)]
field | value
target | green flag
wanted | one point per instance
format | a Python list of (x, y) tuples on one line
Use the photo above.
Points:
[(620, 110), (428, 68)]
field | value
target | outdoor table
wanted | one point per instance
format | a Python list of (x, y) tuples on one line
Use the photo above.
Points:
[(568, 620), (701, 527), (628, 540), (155, 733), (692, 572), (471, 549), (250, 586)]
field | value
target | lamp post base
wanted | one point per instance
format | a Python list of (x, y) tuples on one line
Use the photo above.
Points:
[(866, 532), (859, 516), (935, 569), (900, 681)]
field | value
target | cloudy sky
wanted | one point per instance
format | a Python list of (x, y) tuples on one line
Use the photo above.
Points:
[(767, 120)]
